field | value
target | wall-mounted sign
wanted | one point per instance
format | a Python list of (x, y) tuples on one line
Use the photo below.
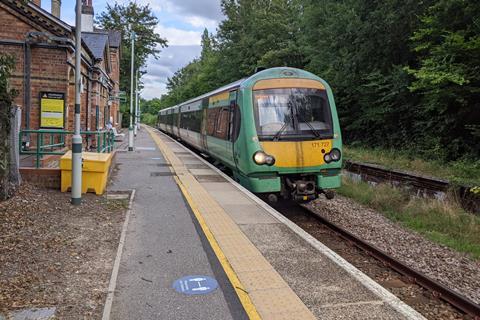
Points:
[(52, 110)]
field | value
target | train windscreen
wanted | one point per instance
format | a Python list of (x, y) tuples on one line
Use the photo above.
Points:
[(293, 112)]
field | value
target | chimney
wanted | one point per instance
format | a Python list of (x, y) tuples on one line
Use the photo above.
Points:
[(87, 16), (56, 8), (37, 2)]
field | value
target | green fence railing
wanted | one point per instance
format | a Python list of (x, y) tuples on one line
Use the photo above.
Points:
[(52, 142)]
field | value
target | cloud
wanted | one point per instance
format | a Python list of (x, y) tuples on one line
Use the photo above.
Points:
[(179, 37), (209, 9), (171, 59)]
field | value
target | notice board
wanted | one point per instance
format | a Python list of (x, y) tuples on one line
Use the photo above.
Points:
[(52, 110)]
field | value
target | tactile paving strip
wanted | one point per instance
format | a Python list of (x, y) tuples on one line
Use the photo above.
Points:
[(269, 293)]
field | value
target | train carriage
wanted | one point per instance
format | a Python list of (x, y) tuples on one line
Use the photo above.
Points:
[(278, 132)]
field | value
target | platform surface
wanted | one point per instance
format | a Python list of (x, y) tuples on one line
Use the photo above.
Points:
[(162, 245), (212, 227)]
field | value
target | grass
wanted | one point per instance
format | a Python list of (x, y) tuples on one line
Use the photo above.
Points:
[(465, 172), (442, 222)]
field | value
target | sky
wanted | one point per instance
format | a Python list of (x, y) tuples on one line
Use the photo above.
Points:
[(181, 22)]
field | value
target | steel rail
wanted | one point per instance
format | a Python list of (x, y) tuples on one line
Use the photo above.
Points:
[(423, 184), (438, 289)]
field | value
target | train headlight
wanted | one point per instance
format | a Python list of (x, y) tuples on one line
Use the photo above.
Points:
[(327, 157), (335, 154), (261, 157)]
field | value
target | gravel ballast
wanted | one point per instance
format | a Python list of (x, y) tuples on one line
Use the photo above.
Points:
[(453, 269)]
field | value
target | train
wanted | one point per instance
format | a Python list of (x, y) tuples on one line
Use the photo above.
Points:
[(277, 132)]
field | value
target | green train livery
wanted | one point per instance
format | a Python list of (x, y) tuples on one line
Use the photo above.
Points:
[(277, 131)]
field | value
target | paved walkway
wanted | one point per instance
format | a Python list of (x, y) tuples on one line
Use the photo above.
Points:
[(163, 243)]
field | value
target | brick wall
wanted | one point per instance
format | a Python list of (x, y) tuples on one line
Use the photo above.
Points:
[(51, 70), (43, 177)]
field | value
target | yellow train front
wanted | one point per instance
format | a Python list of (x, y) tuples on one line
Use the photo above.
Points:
[(277, 131)]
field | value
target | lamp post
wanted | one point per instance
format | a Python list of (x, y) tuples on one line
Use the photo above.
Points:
[(136, 105), (137, 100), (77, 138), (130, 128)]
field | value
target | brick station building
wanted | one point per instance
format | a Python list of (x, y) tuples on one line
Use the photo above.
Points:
[(44, 48)]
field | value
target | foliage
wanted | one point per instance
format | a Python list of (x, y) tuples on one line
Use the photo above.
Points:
[(140, 19), (447, 76), (405, 73), (7, 65), (463, 172), (442, 222), (149, 119)]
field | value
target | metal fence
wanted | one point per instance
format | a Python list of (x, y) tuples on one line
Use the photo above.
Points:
[(54, 142)]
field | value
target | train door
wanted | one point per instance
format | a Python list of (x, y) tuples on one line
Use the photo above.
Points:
[(203, 128), (229, 143)]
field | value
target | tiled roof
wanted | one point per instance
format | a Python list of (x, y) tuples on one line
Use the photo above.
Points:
[(96, 42), (114, 38)]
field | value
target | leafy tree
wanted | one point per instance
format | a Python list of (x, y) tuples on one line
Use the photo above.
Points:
[(448, 76), (258, 33), (7, 64), (140, 19)]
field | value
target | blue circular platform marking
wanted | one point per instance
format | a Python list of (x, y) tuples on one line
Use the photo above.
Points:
[(195, 285)]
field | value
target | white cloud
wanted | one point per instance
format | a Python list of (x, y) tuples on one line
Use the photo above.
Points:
[(158, 71), (201, 22), (179, 37)]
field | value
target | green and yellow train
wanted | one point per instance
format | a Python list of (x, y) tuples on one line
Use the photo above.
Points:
[(277, 131)]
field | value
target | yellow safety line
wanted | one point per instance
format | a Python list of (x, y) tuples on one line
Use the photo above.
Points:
[(232, 276)]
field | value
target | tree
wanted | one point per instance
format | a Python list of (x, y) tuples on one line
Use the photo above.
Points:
[(259, 33), (140, 19), (447, 75), (7, 187)]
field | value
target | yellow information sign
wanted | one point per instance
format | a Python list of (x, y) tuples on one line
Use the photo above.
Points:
[(52, 109)]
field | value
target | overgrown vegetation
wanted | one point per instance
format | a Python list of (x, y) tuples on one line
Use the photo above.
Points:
[(442, 222), (405, 74), (464, 172), (7, 64)]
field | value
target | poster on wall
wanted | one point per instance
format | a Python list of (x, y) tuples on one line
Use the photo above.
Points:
[(52, 110)]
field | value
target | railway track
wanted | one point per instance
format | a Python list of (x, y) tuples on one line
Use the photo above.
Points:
[(461, 304), (421, 185)]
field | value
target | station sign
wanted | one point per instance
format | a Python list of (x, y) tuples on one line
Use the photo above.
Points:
[(52, 110)]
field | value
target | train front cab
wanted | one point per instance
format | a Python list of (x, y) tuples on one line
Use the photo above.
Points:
[(291, 132)]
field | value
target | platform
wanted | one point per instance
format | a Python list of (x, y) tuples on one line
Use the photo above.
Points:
[(188, 218)]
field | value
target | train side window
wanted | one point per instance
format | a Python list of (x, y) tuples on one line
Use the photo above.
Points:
[(221, 127), (211, 119)]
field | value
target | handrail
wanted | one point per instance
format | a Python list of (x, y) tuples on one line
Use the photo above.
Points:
[(104, 141)]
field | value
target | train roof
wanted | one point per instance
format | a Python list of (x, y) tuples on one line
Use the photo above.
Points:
[(227, 87), (287, 72)]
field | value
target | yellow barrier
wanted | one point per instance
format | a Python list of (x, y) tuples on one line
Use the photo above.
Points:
[(95, 167)]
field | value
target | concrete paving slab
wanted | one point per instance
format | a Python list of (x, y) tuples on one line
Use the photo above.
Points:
[(198, 172), (374, 310), (214, 187), (248, 214), (313, 277), (231, 197)]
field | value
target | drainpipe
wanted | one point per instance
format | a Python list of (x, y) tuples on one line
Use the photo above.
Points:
[(26, 86)]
